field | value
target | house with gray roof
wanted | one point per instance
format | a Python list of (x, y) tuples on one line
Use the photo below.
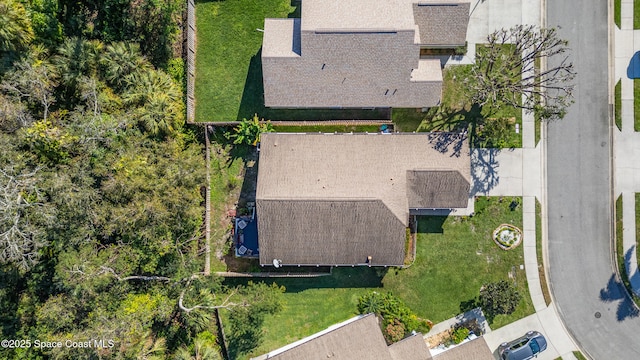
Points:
[(360, 53), (357, 338), (346, 199)]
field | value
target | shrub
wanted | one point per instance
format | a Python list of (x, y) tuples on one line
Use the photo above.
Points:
[(499, 298), (392, 310), (459, 335), (395, 331), (248, 132)]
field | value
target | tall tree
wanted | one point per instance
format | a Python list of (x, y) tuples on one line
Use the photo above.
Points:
[(23, 216), (77, 60), (121, 60), (157, 100), (507, 71), (33, 80), (15, 27)]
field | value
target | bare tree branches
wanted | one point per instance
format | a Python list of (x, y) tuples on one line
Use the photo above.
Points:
[(33, 80), (105, 269), (20, 206), (207, 298), (507, 71)]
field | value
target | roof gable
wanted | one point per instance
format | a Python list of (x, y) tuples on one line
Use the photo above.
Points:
[(442, 23), (410, 348), (437, 189)]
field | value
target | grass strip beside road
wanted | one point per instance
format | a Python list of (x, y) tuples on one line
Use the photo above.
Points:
[(541, 272), (618, 105), (622, 269), (636, 14)]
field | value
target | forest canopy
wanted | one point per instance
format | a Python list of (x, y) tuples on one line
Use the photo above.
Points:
[(101, 202)]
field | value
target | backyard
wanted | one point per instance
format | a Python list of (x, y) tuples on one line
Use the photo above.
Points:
[(228, 84), (455, 256), (228, 44)]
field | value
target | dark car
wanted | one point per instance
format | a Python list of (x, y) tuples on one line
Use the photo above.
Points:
[(523, 348)]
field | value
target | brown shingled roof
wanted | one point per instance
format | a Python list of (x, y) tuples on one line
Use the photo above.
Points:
[(359, 338), (335, 199), (411, 348), (473, 350), (322, 232)]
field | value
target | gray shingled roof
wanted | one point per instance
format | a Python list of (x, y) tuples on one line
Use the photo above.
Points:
[(437, 189), (351, 70), (322, 232), (411, 348), (371, 59), (321, 197), (473, 350), (359, 338), (442, 23)]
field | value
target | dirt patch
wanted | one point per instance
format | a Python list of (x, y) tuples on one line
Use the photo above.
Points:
[(439, 338)]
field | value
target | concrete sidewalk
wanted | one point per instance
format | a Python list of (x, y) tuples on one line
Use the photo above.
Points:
[(516, 172), (627, 140)]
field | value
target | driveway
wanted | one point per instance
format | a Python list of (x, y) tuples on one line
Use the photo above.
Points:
[(547, 323)]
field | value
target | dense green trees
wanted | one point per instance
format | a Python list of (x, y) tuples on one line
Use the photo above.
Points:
[(101, 210)]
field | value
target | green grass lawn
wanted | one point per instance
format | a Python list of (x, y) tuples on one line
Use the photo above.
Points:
[(456, 113), (618, 104), (536, 115), (227, 45), (312, 305), (227, 171), (636, 14), (617, 4), (620, 251), (542, 275), (579, 355), (636, 104), (455, 257)]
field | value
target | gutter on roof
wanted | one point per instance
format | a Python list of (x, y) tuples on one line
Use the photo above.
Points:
[(439, 46)]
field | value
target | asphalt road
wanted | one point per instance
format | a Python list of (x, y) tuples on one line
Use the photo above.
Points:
[(579, 196)]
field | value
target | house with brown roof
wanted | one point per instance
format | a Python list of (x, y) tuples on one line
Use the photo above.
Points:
[(346, 199), (360, 53), (361, 338), (357, 338)]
